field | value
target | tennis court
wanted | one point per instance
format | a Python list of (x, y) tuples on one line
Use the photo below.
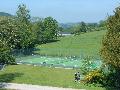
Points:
[(65, 62)]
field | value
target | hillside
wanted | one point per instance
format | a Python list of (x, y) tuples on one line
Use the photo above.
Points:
[(85, 44), (5, 14)]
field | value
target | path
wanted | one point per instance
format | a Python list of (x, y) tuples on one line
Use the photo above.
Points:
[(32, 87)]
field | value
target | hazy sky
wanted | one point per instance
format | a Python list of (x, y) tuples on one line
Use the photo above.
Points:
[(65, 10)]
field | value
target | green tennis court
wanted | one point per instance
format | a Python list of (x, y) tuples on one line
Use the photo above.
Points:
[(55, 61)]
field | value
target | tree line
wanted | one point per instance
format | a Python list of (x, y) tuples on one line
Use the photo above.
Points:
[(83, 27)]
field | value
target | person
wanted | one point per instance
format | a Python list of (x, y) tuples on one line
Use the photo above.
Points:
[(76, 77)]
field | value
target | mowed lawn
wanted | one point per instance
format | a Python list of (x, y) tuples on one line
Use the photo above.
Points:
[(57, 77), (84, 44)]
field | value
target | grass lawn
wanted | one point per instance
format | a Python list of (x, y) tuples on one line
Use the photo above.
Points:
[(42, 76), (86, 44)]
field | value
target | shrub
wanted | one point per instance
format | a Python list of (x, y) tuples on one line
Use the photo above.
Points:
[(94, 77), (112, 79)]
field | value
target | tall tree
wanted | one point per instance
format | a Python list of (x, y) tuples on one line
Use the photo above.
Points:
[(110, 51), (111, 42), (23, 14), (38, 28), (24, 25), (50, 29)]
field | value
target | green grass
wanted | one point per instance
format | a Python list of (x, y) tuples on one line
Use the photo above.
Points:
[(87, 44), (42, 76)]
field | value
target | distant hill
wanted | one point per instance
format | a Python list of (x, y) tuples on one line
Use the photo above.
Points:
[(5, 14)]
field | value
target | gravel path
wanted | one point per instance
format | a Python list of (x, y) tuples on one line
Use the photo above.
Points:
[(31, 87)]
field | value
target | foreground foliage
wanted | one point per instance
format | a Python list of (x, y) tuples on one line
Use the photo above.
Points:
[(110, 51), (94, 77)]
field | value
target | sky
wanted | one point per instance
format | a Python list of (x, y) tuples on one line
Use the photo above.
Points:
[(64, 11)]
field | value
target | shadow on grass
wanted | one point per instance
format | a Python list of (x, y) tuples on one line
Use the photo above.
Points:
[(51, 41), (23, 52), (29, 51), (112, 88), (7, 78)]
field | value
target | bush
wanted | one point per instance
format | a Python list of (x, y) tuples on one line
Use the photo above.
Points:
[(112, 79), (6, 58), (94, 77), (104, 77)]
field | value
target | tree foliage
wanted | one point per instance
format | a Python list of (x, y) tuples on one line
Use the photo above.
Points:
[(110, 51), (5, 56), (111, 42), (15, 33), (22, 32), (38, 28), (26, 34), (8, 40), (80, 28), (50, 28), (83, 27), (23, 15), (8, 31)]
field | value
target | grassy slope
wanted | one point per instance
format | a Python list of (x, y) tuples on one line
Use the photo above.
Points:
[(87, 44), (42, 76)]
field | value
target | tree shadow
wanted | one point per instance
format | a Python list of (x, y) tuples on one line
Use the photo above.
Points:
[(112, 88), (23, 52), (29, 51), (7, 78), (51, 41)]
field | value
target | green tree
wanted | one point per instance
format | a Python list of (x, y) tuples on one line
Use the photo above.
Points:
[(27, 35), (80, 28), (110, 51), (8, 39), (9, 31), (83, 27), (38, 28), (76, 29), (23, 14), (102, 23), (50, 26)]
